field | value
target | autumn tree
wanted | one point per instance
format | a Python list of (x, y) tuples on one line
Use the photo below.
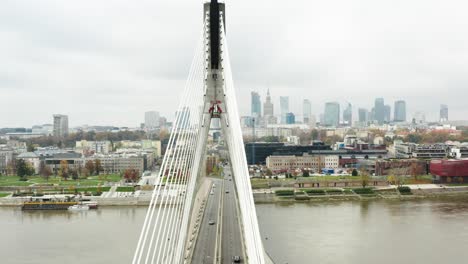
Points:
[(97, 166), (64, 173), (45, 171), (131, 175), (364, 177), (397, 176), (90, 167), (413, 169)]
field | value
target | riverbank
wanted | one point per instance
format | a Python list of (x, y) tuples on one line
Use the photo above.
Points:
[(281, 195), (314, 196)]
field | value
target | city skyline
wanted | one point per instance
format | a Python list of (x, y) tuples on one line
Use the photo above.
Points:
[(113, 68)]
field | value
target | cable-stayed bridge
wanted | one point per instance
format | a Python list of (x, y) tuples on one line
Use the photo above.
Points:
[(174, 230)]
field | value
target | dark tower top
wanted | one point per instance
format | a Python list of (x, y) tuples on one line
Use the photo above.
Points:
[(214, 8)]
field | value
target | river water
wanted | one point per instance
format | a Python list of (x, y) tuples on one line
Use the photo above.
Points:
[(329, 232)]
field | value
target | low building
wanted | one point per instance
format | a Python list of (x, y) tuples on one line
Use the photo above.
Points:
[(92, 147), (6, 157), (421, 151), (405, 166), (315, 163), (258, 152), (23, 135), (450, 170), (431, 151), (113, 163)]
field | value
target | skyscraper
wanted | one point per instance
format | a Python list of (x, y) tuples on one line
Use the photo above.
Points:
[(255, 105), (306, 111), (363, 115), (332, 114), (348, 115), (60, 125), (388, 110), (443, 113), (268, 105), (400, 111), (290, 118), (379, 111), (284, 107), (151, 119)]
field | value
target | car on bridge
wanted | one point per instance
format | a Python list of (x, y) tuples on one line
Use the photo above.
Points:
[(236, 259)]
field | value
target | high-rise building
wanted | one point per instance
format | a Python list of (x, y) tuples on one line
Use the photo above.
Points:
[(268, 105), (312, 121), (348, 115), (443, 113), (419, 118), (284, 107), (255, 105), (306, 111), (290, 118), (379, 111), (363, 115), (400, 111), (332, 114), (388, 110), (60, 125), (151, 119)]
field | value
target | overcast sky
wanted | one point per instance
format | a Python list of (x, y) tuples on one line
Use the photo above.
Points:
[(107, 62)]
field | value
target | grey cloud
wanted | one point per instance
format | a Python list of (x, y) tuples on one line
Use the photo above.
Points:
[(106, 62)]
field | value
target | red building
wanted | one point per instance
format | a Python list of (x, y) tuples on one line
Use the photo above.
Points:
[(450, 170)]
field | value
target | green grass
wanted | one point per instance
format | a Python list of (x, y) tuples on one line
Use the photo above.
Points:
[(12, 181), (4, 194), (363, 191), (284, 192), (334, 191), (315, 191), (125, 189), (90, 181)]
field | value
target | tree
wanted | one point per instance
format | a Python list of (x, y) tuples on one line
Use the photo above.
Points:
[(74, 174), (354, 173), (31, 147), (305, 173), (64, 169), (399, 175), (364, 177), (90, 167), (45, 171), (97, 166), (23, 169), (414, 138), (414, 170), (269, 172), (131, 175)]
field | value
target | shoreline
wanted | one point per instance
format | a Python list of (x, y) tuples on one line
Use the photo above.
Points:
[(271, 198)]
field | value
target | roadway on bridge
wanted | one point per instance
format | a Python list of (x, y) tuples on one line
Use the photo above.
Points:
[(205, 246), (231, 244)]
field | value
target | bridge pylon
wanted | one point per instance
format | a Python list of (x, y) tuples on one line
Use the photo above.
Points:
[(209, 93)]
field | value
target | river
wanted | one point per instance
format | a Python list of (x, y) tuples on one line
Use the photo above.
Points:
[(328, 232)]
